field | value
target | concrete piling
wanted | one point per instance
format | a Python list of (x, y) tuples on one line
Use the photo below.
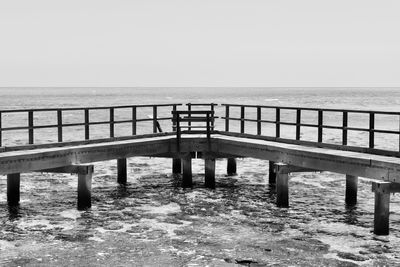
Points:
[(176, 166), (13, 188), (187, 172), (351, 190), (381, 214), (231, 167), (84, 189), (272, 174), (122, 171), (282, 185), (209, 165)]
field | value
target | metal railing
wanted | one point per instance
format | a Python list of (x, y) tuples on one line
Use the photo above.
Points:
[(298, 124), (204, 120), (86, 121), (262, 117)]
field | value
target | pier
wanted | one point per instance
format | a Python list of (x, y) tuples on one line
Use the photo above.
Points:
[(207, 131)]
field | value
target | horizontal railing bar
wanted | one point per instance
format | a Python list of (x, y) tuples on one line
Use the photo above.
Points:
[(375, 151), (73, 124), (193, 112), (196, 127), (196, 132), (83, 108), (201, 104), (382, 112), (83, 142)]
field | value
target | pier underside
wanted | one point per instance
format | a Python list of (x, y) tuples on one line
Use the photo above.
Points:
[(288, 158)]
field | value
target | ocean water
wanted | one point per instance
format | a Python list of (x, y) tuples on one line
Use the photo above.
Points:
[(153, 222)]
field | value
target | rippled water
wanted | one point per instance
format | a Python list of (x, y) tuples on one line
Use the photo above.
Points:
[(153, 222)]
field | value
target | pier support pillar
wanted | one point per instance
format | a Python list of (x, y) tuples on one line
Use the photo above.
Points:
[(272, 174), (381, 213), (122, 171), (282, 185), (209, 180), (231, 167), (84, 189), (351, 190), (187, 172), (176, 166), (13, 188)]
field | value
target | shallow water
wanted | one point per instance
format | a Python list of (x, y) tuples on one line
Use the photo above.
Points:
[(153, 222)]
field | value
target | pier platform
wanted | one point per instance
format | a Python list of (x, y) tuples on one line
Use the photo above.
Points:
[(204, 141)]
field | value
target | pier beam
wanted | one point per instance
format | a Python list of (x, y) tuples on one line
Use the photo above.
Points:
[(187, 171), (122, 171), (176, 166), (231, 167), (272, 174), (209, 180), (351, 190), (282, 185), (13, 188), (84, 189)]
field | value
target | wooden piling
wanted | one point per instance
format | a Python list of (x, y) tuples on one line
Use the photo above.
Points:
[(176, 166), (272, 174), (122, 171), (381, 214), (351, 190), (13, 188), (209, 165), (187, 172), (282, 186), (84, 190), (231, 167)]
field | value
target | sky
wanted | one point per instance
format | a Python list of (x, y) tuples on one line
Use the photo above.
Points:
[(288, 43)]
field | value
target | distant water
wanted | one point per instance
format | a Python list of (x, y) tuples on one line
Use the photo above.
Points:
[(352, 98), (153, 222)]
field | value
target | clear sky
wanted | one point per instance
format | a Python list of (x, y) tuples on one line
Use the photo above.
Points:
[(199, 43)]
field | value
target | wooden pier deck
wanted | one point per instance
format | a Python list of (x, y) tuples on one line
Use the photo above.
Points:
[(194, 135)]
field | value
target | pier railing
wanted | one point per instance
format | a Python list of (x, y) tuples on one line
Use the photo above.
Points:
[(259, 116), (295, 125), (27, 117)]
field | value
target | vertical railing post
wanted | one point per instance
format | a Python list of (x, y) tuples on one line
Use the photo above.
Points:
[(133, 120), (176, 162), (59, 125), (1, 131), (174, 118), (111, 122), (298, 122), (189, 105), (242, 119), (87, 134), (320, 125), (208, 125), (154, 119), (212, 117), (30, 124), (227, 118), (178, 131), (344, 131), (371, 130), (277, 123), (258, 120)]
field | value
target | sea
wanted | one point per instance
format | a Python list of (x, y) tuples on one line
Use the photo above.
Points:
[(152, 221)]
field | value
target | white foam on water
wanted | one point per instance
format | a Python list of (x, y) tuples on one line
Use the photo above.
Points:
[(96, 239), (165, 209), (6, 245), (71, 214), (359, 263), (167, 227), (43, 223)]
